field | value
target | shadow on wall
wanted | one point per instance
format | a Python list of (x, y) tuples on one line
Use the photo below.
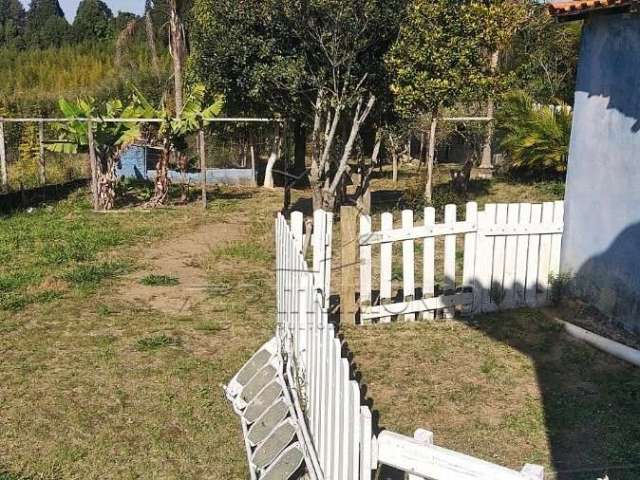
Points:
[(611, 49), (611, 280)]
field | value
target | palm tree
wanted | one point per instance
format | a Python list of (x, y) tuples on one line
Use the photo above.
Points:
[(535, 137)]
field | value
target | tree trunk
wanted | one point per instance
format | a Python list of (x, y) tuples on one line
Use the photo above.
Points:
[(422, 148), (151, 40), (161, 183), (428, 191), (343, 167), (273, 158), (315, 175), (300, 148), (394, 157), (177, 48), (93, 164), (106, 183), (487, 153)]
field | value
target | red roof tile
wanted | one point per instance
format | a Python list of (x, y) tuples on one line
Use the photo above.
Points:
[(578, 7)]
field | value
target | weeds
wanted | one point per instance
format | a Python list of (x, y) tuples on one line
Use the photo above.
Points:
[(156, 342), (89, 276), (159, 281), (560, 285)]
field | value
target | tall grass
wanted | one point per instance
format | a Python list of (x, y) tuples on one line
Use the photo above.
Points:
[(35, 77)]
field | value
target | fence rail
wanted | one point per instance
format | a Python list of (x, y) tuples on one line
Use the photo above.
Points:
[(508, 252)]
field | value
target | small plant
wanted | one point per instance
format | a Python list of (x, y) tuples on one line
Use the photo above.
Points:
[(560, 285), (91, 275), (159, 281), (155, 342)]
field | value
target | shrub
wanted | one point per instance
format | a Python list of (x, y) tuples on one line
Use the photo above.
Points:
[(559, 287), (535, 138)]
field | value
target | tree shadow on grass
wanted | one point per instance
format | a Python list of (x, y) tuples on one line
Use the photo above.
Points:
[(591, 400)]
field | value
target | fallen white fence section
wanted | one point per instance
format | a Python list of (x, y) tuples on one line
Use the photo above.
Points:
[(509, 253), (301, 411)]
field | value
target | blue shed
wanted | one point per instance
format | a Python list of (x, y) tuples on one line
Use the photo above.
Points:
[(139, 161), (133, 163), (601, 242)]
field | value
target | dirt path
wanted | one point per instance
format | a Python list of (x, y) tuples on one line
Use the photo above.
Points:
[(180, 258)]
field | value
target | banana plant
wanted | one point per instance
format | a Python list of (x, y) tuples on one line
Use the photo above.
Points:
[(170, 132), (73, 138)]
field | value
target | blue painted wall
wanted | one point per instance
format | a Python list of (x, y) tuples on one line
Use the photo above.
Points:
[(134, 164), (601, 244)]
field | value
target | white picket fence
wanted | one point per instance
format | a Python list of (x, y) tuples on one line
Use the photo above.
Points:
[(510, 252), (300, 409), (339, 427)]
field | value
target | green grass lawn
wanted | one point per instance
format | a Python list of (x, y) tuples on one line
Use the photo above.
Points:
[(93, 385)]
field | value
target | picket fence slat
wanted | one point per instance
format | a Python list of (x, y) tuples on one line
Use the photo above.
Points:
[(347, 422), (533, 258), (429, 260), (365, 263), (545, 254), (511, 250), (450, 213), (497, 277), (469, 253), (366, 453), (386, 252), (486, 258), (297, 226), (354, 400), (556, 239), (522, 249), (408, 263)]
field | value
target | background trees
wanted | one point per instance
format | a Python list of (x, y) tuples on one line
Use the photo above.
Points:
[(94, 22), (442, 58), (46, 25), (12, 23), (354, 79)]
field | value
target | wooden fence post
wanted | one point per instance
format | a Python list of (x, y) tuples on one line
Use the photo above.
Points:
[(93, 164), (203, 166), (349, 263), (41, 160), (4, 178)]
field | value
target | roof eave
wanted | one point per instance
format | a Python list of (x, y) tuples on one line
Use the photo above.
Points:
[(563, 15)]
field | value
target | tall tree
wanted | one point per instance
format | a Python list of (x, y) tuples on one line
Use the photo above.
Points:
[(247, 51), (440, 58), (318, 61), (177, 48), (46, 25), (93, 22), (12, 22), (543, 55)]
